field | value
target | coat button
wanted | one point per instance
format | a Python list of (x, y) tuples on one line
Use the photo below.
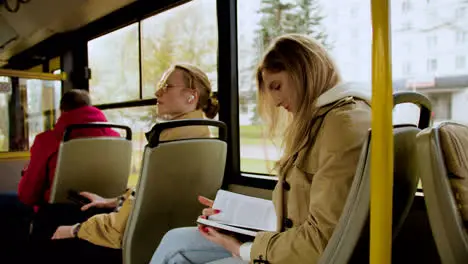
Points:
[(288, 223), (286, 186)]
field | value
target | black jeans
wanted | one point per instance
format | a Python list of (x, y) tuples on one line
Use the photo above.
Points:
[(15, 219), (51, 216), (41, 249)]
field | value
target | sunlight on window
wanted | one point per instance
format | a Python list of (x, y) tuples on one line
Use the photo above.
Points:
[(184, 34), (114, 63)]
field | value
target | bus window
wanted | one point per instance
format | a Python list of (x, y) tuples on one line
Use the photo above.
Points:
[(42, 105), (343, 30), (113, 60), (36, 106), (5, 93), (183, 34)]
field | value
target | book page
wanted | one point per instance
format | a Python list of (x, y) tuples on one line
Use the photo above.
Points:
[(244, 211)]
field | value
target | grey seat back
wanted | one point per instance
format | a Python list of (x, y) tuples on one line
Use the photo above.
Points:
[(443, 168), (350, 240), (96, 164), (173, 174)]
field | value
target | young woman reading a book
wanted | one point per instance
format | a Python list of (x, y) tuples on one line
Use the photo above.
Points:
[(184, 93), (325, 124)]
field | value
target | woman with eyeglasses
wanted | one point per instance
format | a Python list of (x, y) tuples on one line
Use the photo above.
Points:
[(184, 92)]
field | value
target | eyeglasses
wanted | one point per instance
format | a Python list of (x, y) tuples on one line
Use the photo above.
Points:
[(164, 87)]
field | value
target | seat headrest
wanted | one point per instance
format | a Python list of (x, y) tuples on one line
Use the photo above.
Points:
[(453, 140), (153, 136)]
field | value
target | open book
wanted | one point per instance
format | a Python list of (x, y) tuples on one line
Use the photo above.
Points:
[(241, 214)]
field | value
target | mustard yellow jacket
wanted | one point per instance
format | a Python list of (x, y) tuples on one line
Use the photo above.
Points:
[(107, 230), (310, 196)]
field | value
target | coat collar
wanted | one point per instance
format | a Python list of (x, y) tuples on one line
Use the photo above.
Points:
[(341, 95)]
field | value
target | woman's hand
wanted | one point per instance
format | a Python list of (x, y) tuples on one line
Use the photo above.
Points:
[(63, 232), (229, 243), (98, 201), (207, 211)]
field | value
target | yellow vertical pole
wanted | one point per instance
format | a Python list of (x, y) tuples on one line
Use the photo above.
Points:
[(382, 136)]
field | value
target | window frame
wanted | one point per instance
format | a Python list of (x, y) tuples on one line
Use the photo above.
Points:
[(228, 95), (228, 78)]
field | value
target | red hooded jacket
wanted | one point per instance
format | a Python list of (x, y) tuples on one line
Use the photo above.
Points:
[(38, 175)]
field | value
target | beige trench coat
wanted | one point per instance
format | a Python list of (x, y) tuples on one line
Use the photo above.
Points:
[(311, 195)]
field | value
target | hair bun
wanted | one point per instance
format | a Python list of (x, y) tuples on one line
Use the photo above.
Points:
[(212, 105)]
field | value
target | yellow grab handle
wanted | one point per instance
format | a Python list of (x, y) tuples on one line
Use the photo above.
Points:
[(382, 137)]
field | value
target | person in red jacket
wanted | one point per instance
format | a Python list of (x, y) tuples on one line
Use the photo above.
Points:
[(38, 175)]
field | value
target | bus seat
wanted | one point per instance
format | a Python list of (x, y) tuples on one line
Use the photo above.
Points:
[(96, 164), (350, 240), (173, 174), (443, 168)]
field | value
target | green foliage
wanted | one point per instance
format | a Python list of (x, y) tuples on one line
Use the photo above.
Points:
[(309, 21), (279, 18), (252, 135), (257, 166), (252, 131)]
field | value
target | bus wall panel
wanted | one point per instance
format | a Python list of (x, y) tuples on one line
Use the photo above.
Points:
[(10, 174)]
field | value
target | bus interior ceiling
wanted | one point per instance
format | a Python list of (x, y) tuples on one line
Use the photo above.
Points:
[(36, 21)]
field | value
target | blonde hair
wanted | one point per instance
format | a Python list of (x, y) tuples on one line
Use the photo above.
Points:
[(313, 72), (194, 78)]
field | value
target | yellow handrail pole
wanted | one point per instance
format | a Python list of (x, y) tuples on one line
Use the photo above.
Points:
[(382, 137), (33, 75)]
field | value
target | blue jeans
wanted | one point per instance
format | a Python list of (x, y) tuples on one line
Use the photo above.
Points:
[(187, 246)]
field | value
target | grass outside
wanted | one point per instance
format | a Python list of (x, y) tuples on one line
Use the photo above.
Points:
[(250, 131), (252, 135), (2, 141), (257, 166)]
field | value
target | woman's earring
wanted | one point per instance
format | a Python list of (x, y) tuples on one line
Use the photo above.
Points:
[(191, 98)]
